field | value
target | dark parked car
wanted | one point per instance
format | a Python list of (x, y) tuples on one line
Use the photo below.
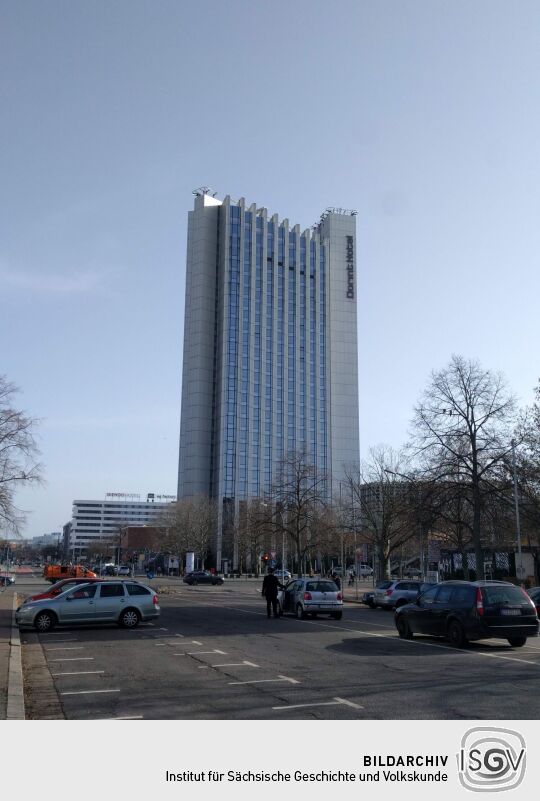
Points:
[(470, 610), (202, 577), (534, 592)]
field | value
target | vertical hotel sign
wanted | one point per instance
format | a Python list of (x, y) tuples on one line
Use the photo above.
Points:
[(350, 267)]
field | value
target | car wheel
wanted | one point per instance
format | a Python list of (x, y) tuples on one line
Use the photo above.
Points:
[(336, 615), (401, 603), (45, 621), (194, 582), (129, 618), (456, 635), (404, 630), (300, 614), (517, 642)]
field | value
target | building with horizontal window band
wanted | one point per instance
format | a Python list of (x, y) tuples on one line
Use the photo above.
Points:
[(270, 351), (95, 521)]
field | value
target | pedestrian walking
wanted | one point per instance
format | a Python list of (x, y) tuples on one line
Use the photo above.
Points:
[(351, 578), (270, 587), (337, 581)]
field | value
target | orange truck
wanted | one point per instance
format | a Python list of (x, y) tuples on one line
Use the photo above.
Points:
[(54, 573)]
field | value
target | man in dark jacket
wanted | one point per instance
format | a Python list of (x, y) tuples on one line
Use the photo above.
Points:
[(270, 588)]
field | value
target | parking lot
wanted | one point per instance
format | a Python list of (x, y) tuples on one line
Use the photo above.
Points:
[(213, 654)]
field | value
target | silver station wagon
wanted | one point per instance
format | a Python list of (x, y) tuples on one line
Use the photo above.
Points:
[(123, 602), (307, 596)]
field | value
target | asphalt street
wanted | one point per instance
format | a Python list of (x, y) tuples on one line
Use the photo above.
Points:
[(213, 654)]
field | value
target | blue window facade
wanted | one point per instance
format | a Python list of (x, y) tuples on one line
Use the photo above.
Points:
[(257, 352), (245, 359), (312, 355), (291, 363), (274, 373), (269, 351), (232, 352)]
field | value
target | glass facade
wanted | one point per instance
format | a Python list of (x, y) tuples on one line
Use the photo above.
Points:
[(232, 352), (275, 373)]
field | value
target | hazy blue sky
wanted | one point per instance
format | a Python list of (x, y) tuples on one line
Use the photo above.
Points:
[(423, 116)]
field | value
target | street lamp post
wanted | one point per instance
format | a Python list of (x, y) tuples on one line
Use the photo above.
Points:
[(516, 505)]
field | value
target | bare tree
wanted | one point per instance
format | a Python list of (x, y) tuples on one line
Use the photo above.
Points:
[(18, 455), (384, 504), (462, 432), (298, 503), (252, 533), (189, 525)]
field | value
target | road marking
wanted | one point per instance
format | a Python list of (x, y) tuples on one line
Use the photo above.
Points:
[(266, 681), (196, 642), (74, 659), (89, 692), (127, 717), (71, 639), (158, 644), (234, 664), (336, 702), (348, 703), (78, 673), (394, 638), (201, 667), (197, 653), (66, 648)]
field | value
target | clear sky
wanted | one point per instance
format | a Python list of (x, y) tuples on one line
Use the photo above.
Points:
[(422, 115)]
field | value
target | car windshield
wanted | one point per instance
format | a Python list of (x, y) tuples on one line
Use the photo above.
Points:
[(503, 595)]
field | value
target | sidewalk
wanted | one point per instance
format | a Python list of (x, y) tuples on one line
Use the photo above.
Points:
[(6, 606)]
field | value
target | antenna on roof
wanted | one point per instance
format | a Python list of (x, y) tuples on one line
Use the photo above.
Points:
[(204, 190)]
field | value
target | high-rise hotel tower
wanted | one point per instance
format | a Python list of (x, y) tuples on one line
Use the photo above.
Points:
[(270, 350)]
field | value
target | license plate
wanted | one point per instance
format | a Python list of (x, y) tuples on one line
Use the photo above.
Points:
[(510, 611)]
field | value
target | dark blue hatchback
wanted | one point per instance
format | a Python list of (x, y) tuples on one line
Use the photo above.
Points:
[(470, 610)]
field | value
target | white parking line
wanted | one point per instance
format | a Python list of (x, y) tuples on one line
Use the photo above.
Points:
[(196, 642), (197, 653), (74, 659), (127, 717), (348, 703), (78, 673), (65, 648), (89, 692), (266, 681), (335, 702), (71, 639), (235, 664)]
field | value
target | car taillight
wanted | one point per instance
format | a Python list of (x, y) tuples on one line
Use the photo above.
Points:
[(388, 592), (528, 597), (307, 596), (479, 602), (339, 596), (155, 600)]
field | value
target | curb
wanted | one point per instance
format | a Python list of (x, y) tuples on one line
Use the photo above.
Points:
[(15, 688)]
